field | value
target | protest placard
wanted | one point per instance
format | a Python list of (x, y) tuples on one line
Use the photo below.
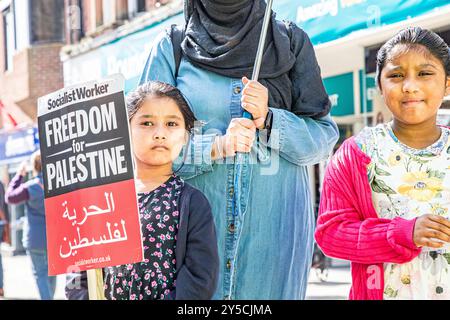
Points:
[(90, 198)]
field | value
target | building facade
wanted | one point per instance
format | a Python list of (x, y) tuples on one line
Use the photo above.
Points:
[(31, 38), (118, 44), (48, 44)]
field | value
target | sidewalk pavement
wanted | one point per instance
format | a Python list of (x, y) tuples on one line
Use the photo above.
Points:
[(19, 283), (18, 280), (335, 287)]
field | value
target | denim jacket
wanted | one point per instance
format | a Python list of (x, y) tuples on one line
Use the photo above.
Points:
[(266, 250)]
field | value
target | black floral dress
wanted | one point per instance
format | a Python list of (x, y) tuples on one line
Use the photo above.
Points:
[(154, 278)]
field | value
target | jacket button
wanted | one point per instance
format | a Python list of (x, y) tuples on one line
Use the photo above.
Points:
[(231, 227), (237, 90), (228, 264), (231, 192)]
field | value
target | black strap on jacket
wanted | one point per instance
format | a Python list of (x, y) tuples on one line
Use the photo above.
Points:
[(177, 36)]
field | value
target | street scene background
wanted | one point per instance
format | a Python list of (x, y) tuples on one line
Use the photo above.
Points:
[(46, 45)]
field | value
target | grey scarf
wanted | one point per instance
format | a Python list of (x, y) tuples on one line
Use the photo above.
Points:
[(222, 36)]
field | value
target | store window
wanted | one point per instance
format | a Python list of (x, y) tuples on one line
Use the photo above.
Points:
[(98, 13), (47, 21), (135, 7), (113, 12), (108, 11), (9, 38), (140, 5)]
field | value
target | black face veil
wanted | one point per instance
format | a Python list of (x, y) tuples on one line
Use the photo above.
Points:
[(222, 36), (228, 6)]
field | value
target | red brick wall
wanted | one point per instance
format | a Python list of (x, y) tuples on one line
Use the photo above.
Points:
[(121, 9), (36, 72), (98, 13), (14, 85), (45, 74), (86, 5), (150, 4)]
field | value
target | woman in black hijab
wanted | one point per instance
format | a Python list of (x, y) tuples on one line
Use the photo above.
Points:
[(265, 237)]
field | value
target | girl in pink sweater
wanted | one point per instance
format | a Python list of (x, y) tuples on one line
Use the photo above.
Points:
[(386, 192)]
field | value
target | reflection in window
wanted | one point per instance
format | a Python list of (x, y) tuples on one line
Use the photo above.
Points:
[(10, 38), (47, 21)]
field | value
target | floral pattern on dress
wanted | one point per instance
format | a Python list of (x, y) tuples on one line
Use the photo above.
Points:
[(408, 183), (155, 277)]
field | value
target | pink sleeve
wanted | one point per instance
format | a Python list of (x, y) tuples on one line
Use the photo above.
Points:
[(343, 234), (17, 192)]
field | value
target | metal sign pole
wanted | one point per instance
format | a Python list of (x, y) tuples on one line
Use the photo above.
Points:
[(240, 157)]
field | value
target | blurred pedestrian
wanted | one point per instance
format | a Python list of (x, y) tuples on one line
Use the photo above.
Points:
[(34, 236), (3, 226)]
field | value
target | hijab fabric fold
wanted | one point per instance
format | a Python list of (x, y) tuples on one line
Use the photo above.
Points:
[(222, 36)]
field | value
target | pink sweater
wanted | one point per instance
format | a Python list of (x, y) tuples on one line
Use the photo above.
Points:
[(349, 228)]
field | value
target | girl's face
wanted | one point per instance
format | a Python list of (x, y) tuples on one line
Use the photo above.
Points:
[(413, 84), (158, 132)]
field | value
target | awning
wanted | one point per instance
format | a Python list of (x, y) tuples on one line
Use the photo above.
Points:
[(12, 115)]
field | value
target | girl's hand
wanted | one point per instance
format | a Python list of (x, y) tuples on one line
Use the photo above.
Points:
[(430, 227), (255, 100), (240, 136)]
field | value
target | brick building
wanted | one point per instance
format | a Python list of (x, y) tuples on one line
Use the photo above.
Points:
[(32, 34), (101, 36), (35, 35), (91, 18), (31, 37)]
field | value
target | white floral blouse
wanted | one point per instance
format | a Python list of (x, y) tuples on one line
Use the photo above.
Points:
[(408, 183)]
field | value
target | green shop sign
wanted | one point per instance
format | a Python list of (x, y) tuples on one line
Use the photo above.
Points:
[(369, 92), (327, 20), (341, 93)]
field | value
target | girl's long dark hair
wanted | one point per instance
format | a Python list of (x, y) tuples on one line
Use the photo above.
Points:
[(415, 36)]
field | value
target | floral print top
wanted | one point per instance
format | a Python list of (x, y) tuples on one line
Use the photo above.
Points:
[(154, 278), (408, 183)]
